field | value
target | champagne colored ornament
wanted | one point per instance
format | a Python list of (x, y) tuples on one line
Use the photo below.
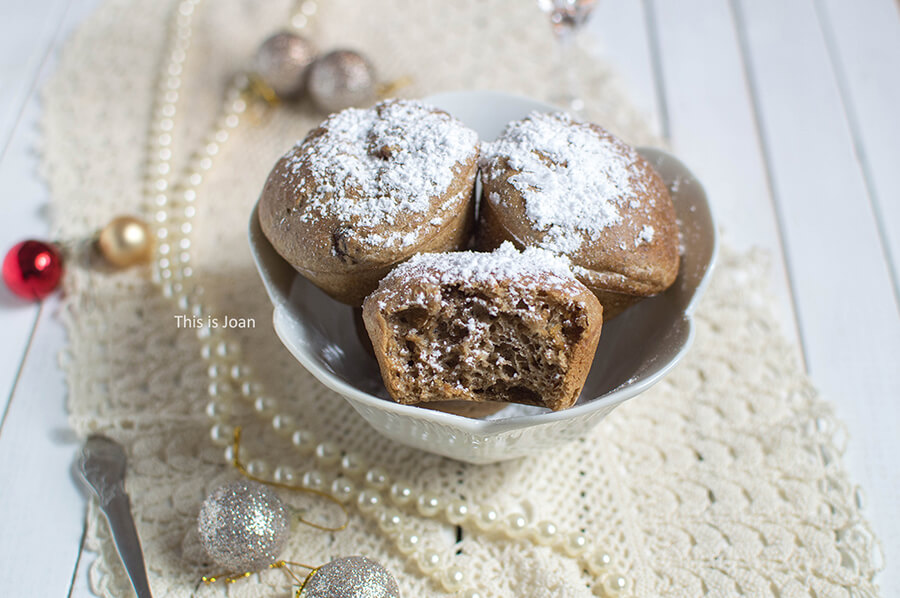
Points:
[(281, 63), (32, 269), (341, 79), (243, 526), (350, 577), (126, 241)]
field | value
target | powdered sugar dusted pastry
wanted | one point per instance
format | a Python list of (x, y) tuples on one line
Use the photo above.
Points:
[(574, 189), (366, 190), (502, 326)]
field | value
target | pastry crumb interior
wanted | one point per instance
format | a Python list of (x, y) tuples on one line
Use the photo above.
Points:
[(471, 345)]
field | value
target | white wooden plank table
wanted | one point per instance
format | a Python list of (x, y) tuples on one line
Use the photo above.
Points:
[(786, 109)]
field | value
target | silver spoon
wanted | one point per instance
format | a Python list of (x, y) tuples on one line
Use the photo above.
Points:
[(102, 465)]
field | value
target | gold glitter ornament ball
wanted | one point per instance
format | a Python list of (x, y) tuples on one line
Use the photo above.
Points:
[(126, 241), (341, 79), (243, 526), (281, 63), (351, 577)]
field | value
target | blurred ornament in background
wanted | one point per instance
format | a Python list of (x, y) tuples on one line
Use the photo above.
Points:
[(341, 79), (126, 241), (281, 63), (32, 269)]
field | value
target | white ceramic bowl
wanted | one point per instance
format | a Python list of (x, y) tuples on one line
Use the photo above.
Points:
[(635, 351)]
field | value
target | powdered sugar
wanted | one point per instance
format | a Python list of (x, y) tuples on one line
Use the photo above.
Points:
[(573, 180), (371, 166), (504, 266), (645, 236)]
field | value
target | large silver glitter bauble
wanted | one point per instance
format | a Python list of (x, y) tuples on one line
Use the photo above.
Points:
[(281, 63), (243, 526), (351, 577), (341, 79)]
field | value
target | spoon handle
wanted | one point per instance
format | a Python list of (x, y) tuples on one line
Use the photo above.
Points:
[(118, 512)]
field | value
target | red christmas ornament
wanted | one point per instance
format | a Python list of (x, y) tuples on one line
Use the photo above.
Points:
[(32, 269)]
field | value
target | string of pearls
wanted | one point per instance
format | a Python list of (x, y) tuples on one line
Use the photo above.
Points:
[(349, 479)]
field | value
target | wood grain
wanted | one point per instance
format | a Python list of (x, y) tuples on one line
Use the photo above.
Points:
[(27, 39), (842, 284), (714, 130), (41, 506), (863, 41)]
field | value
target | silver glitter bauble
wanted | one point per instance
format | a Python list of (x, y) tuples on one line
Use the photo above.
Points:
[(351, 577), (243, 526), (341, 79), (281, 63)]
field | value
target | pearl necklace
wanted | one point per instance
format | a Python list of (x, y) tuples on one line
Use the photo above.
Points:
[(352, 481)]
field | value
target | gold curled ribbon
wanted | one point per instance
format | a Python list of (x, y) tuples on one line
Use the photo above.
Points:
[(259, 88), (390, 88), (283, 565), (236, 461)]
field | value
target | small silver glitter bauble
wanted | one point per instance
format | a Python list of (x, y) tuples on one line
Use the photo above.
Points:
[(243, 526), (351, 577), (281, 63), (341, 79)]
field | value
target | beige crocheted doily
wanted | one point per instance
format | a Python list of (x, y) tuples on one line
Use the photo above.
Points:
[(723, 480)]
